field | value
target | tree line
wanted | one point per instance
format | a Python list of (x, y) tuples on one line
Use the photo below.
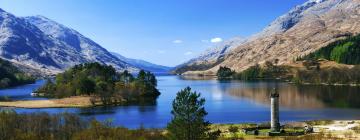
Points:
[(104, 83), (331, 75), (11, 76), (312, 73), (345, 51), (270, 70)]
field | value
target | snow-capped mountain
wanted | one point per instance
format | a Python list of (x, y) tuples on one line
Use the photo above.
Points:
[(302, 30), (290, 19), (211, 56), (142, 64), (220, 50), (43, 44)]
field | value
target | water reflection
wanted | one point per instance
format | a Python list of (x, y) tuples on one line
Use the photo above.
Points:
[(217, 91), (194, 77), (299, 97), (112, 110), (226, 102), (21, 92), (96, 111)]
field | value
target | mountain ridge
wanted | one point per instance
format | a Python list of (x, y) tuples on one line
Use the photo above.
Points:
[(45, 45), (145, 65), (212, 55), (302, 30)]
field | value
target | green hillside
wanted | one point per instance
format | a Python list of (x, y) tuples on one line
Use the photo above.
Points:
[(11, 76), (346, 51)]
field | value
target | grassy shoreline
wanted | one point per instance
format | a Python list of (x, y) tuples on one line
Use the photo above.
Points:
[(70, 102), (323, 129)]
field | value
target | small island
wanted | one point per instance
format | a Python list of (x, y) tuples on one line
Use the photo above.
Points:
[(93, 84)]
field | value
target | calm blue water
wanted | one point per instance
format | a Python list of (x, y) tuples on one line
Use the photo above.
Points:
[(22, 92), (226, 102)]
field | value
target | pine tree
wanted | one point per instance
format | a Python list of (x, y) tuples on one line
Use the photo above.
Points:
[(188, 117)]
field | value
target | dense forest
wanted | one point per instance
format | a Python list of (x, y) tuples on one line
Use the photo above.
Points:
[(103, 83), (346, 51), (11, 76)]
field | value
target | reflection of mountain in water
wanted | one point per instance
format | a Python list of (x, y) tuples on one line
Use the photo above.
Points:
[(335, 96), (298, 97), (196, 77)]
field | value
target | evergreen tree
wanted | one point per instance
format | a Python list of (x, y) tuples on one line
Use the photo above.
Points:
[(346, 51), (126, 77), (224, 72), (188, 117), (142, 75)]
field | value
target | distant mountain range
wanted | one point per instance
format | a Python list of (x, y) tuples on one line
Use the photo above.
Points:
[(142, 64), (210, 57), (304, 29), (41, 44)]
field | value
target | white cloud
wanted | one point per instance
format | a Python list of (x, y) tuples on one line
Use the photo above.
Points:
[(161, 51), (216, 40), (188, 53), (178, 41)]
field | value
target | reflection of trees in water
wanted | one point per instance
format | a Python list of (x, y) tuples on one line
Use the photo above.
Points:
[(147, 108), (112, 110), (96, 110), (292, 96), (195, 77), (335, 96)]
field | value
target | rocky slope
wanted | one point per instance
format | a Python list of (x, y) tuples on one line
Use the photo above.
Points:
[(304, 29), (44, 45)]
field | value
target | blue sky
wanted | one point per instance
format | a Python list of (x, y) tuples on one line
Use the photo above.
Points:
[(166, 32)]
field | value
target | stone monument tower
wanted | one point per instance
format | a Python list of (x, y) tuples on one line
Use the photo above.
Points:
[(275, 122)]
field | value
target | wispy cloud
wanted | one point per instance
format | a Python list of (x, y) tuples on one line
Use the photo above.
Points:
[(188, 53), (177, 41), (216, 40)]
